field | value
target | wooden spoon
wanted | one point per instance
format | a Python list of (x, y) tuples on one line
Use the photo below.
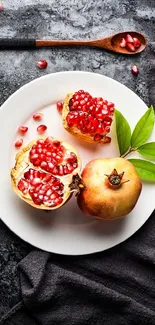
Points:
[(111, 43)]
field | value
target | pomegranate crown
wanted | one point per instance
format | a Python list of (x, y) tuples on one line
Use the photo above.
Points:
[(115, 179)]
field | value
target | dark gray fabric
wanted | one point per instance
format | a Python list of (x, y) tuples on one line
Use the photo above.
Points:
[(116, 286)]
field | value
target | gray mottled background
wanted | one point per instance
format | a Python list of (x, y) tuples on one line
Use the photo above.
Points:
[(64, 19)]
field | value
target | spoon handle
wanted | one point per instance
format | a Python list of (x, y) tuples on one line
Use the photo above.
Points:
[(18, 44), (50, 43)]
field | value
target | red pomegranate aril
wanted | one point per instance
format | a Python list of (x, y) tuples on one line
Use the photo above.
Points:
[(36, 200), (55, 170), (43, 164), (56, 143), (46, 198), (36, 163), (130, 47), (110, 105), (45, 187), (111, 110), (60, 170), (41, 128), (135, 70), (65, 170), (1, 7), (39, 150), (123, 42), (99, 129), (38, 117), (49, 192), (107, 139), (42, 64), (40, 197), (58, 200), (27, 174), (34, 156), (136, 42), (47, 178), (50, 166), (49, 154), (107, 129), (129, 38), (69, 167), (19, 143), (23, 185), (36, 181), (59, 106), (22, 129), (107, 120), (98, 137)]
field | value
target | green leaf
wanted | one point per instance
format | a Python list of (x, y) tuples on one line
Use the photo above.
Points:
[(123, 132), (145, 169), (147, 150), (143, 128)]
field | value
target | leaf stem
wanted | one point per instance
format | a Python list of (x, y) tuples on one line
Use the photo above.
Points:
[(127, 153)]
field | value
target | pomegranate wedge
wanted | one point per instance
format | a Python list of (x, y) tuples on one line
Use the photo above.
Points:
[(86, 117), (46, 173)]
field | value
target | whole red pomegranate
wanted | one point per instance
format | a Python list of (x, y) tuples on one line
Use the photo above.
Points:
[(112, 188), (86, 117), (45, 173)]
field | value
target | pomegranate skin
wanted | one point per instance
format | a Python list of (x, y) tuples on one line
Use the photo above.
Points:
[(101, 200)]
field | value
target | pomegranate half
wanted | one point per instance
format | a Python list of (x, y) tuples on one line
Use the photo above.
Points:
[(45, 172), (112, 188), (86, 117)]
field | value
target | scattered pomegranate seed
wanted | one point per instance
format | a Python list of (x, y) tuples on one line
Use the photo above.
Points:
[(42, 64), (123, 42), (129, 39), (136, 42), (130, 47), (41, 128), (59, 107), (135, 70), (23, 129), (38, 116), (18, 143)]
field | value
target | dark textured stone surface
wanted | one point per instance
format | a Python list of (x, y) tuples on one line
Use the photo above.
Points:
[(73, 19)]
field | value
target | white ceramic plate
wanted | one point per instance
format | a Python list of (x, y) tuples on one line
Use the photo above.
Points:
[(66, 230)]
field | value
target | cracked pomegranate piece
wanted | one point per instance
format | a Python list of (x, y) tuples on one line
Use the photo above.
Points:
[(86, 117), (44, 171)]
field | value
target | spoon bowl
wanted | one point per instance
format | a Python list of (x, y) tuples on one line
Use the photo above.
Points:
[(116, 39)]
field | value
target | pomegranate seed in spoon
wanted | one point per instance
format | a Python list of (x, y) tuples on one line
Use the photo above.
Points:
[(129, 39), (42, 64), (23, 129), (38, 116), (136, 42), (41, 129), (123, 42), (130, 47), (19, 143)]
